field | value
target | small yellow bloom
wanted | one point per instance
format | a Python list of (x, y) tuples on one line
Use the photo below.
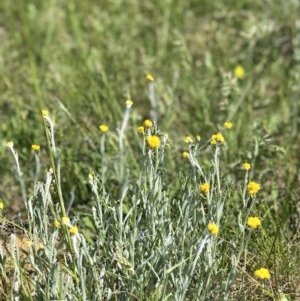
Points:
[(198, 138), (10, 144), (149, 77), (103, 128), (213, 228), (217, 138), (90, 176), (239, 72), (1, 205), (246, 166), (129, 103), (204, 187), (228, 125), (253, 188), (188, 139), (56, 224), (262, 273), (65, 220), (27, 243), (148, 123), (45, 113), (74, 230), (35, 147), (153, 141), (185, 155), (141, 130), (253, 222)]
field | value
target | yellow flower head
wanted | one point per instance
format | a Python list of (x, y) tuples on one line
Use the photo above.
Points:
[(74, 230), (149, 77), (148, 123), (246, 166), (262, 273), (239, 72), (253, 222), (153, 141), (188, 139), (253, 188), (103, 128), (129, 103), (27, 243), (35, 147), (10, 144), (228, 125), (204, 187), (45, 113), (185, 155), (198, 138), (57, 224), (141, 130), (1, 205), (65, 220), (213, 228), (217, 138)]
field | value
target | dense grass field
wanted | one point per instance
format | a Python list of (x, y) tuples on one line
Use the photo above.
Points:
[(149, 150)]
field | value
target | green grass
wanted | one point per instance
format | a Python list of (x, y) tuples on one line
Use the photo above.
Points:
[(142, 219)]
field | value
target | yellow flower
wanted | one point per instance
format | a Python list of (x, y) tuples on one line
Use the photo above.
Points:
[(262, 273), (253, 188), (198, 138), (56, 224), (148, 123), (213, 228), (103, 128), (153, 141), (74, 230), (216, 138), (204, 187), (239, 72), (246, 166), (10, 144), (27, 243), (129, 103), (35, 147), (45, 113), (1, 205), (149, 77), (90, 176), (185, 155), (141, 130), (65, 220), (188, 139), (228, 125), (253, 222)]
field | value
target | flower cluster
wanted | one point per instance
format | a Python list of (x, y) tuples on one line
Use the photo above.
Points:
[(188, 139), (35, 147), (103, 128), (253, 222), (228, 125), (213, 228), (216, 138), (246, 166), (148, 123), (239, 72), (204, 187), (262, 273), (153, 141), (66, 221), (253, 188)]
